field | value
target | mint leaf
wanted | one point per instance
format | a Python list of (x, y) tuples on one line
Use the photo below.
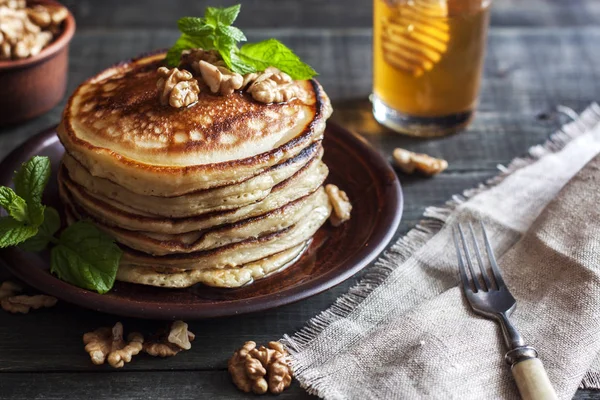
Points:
[(215, 32), (238, 65), (231, 32), (30, 181), (186, 42), (86, 257), (45, 232), (194, 26), (272, 52), (225, 16), (13, 232), (13, 204)]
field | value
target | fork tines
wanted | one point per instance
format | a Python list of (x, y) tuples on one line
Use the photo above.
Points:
[(464, 257)]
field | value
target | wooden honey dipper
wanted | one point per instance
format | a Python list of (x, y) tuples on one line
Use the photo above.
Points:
[(416, 36)]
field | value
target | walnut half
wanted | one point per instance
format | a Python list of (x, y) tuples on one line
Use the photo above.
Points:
[(260, 369), (11, 301), (410, 162), (341, 205), (219, 79), (169, 344), (271, 86), (177, 88), (108, 344)]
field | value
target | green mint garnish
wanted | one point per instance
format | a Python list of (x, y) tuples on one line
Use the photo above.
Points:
[(86, 257), (214, 31), (83, 255)]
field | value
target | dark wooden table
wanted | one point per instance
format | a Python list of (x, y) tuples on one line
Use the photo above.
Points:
[(541, 53)]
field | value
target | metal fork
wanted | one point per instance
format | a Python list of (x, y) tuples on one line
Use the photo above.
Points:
[(490, 298)]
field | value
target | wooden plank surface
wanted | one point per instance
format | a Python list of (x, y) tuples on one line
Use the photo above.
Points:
[(531, 67), (314, 13)]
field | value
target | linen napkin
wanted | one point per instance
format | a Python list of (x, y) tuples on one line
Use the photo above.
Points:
[(405, 331)]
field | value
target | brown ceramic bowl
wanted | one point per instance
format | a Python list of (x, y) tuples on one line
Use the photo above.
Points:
[(32, 86)]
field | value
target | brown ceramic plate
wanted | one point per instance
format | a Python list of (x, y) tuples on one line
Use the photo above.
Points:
[(334, 255)]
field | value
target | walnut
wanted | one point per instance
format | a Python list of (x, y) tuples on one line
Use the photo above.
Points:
[(408, 162), (8, 289), (220, 79), (340, 203), (168, 345), (48, 16), (22, 304), (280, 376), (191, 59), (12, 302), (177, 88), (271, 86), (32, 44), (260, 369), (13, 4), (106, 343), (25, 32)]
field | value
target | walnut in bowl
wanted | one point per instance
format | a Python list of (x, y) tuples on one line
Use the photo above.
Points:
[(34, 50)]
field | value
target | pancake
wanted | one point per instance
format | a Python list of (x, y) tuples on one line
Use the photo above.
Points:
[(232, 255), (161, 244), (222, 192), (195, 203), (235, 254), (304, 182), (224, 277), (115, 127)]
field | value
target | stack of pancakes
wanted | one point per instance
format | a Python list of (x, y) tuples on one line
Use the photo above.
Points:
[(223, 192)]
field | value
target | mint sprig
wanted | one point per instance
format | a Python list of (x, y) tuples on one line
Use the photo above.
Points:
[(215, 31), (86, 257), (82, 255)]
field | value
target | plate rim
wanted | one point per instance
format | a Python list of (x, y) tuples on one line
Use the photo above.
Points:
[(381, 236)]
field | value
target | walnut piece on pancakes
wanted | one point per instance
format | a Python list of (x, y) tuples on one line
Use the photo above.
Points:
[(168, 345), (341, 205), (191, 59), (220, 79), (24, 32), (271, 86), (410, 162), (260, 369), (177, 88), (108, 344), (12, 302)]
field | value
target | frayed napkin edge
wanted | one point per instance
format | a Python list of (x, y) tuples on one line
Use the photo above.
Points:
[(433, 220)]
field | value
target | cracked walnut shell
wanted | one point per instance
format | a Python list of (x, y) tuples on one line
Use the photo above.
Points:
[(260, 369), (108, 344), (176, 88), (340, 202), (410, 162)]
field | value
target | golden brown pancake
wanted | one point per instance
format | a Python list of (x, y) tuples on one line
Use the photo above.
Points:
[(116, 128), (231, 277), (234, 254), (304, 182), (200, 202), (162, 244)]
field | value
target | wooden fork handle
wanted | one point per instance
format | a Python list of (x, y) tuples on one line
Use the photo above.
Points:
[(532, 380)]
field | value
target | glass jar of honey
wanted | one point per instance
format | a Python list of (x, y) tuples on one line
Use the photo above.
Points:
[(428, 59)]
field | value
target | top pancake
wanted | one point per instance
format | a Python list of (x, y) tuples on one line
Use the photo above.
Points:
[(116, 127)]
